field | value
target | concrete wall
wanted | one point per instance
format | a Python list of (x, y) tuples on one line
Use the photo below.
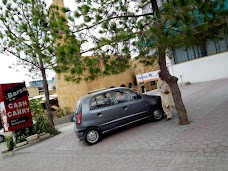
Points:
[(202, 69), (33, 91), (69, 93), (64, 119), (112, 80), (58, 3)]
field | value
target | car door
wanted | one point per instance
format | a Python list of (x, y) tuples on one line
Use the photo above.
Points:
[(105, 112), (131, 106)]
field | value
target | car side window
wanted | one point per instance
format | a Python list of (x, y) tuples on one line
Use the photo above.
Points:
[(135, 95), (101, 100), (126, 96)]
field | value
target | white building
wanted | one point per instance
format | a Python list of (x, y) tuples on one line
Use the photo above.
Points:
[(198, 65)]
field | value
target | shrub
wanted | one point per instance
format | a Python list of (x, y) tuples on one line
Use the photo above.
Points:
[(41, 123), (10, 143)]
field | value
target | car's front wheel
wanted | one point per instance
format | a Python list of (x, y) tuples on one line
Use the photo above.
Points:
[(92, 136), (1, 138), (156, 114)]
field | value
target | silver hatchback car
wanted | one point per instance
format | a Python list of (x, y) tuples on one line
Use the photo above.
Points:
[(109, 109)]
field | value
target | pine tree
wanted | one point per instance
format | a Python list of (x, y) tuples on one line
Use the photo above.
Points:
[(25, 33), (123, 29)]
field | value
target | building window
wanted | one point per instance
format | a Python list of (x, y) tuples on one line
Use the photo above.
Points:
[(152, 83), (210, 47)]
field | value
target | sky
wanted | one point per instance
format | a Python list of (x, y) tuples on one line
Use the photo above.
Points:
[(11, 75), (18, 74)]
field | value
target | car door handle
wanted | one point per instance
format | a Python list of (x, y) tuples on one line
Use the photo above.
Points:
[(99, 114), (124, 108)]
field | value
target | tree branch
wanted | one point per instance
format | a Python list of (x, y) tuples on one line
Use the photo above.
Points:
[(111, 18), (19, 57), (15, 35)]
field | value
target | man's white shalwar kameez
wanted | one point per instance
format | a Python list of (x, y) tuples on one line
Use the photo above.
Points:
[(167, 99)]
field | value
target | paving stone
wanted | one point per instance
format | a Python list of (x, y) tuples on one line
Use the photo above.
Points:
[(201, 146), (213, 145), (186, 169), (209, 150), (221, 149), (150, 146), (224, 144)]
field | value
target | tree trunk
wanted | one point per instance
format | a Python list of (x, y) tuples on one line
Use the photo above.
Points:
[(46, 92), (172, 82), (154, 5)]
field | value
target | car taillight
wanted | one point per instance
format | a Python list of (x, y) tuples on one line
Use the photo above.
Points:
[(79, 118)]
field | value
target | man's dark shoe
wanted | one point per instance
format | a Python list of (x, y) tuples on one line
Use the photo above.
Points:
[(168, 119)]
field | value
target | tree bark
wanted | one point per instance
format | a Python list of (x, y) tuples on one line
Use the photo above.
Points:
[(172, 82), (154, 5), (47, 102)]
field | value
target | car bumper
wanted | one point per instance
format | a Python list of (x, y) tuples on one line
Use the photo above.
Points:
[(79, 133)]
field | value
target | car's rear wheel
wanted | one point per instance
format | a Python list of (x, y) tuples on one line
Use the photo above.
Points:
[(92, 136), (156, 114), (1, 138)]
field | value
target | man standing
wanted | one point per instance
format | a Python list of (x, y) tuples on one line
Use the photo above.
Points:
[(166, 96)]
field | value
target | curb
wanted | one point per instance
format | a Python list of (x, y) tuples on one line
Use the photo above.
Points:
[(31, 140)]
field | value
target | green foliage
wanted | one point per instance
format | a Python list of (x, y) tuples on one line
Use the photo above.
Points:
[(23, 133), (113, 30), (41, 123), (119, 28), (10, 144), (55, 132), (20, 137), (26, 34)]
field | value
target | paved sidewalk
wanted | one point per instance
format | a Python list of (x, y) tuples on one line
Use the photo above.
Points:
[(200, 146)]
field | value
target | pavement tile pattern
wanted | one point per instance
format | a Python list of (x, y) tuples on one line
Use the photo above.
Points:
[(158, 146)]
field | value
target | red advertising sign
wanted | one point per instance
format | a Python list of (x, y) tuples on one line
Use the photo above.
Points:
[(14, 106)]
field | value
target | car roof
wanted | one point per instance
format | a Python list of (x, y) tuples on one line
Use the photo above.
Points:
[(102, 91)]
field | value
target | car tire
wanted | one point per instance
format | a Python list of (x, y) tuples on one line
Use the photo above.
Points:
[(92, 136), (2, 138), (156, 114)]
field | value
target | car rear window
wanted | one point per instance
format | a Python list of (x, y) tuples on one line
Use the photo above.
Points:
[(101, 100)]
